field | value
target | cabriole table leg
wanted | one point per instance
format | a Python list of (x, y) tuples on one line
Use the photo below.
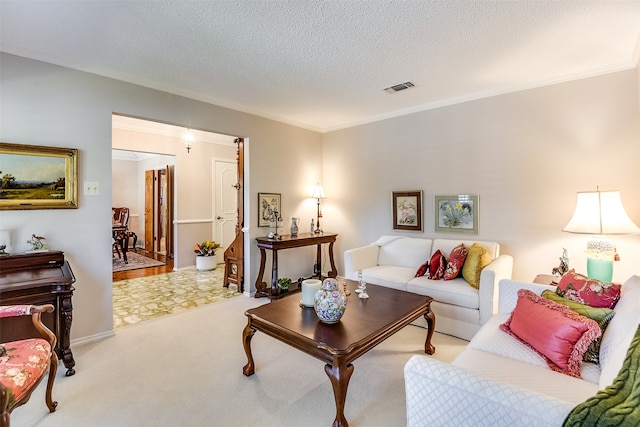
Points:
[(431, 326), (247, 334), (339, 374)]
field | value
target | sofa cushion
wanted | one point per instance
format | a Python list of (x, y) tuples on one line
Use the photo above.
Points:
[(537, 378), (477, 258), (437, 264), (456, 260), (390, 276), (455, 292), (403, 251), (587, 291), (559, 334), (601, 315), (491, 339), (619, 333)]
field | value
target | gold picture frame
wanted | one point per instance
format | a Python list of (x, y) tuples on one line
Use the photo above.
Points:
[(38, 177), (407, 210)]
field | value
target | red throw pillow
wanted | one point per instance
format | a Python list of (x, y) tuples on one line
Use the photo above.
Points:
[(437, 265), (594, 293), (456, 260), (558, 334), (422, 269)]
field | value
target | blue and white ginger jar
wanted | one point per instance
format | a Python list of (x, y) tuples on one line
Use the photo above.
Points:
[(330, 302)]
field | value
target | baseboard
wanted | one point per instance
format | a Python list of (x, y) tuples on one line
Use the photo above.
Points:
[(93, 338)]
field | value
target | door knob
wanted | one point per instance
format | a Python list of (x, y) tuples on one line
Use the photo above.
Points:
[(219, 217)]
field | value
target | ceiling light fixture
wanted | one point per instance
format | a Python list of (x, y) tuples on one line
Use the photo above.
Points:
[(189, 139)]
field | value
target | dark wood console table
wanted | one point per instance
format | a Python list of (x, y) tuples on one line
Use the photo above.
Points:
[(288, 242), (39, 278)]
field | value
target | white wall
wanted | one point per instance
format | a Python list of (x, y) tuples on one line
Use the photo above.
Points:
[(43, 104), (525, 154)]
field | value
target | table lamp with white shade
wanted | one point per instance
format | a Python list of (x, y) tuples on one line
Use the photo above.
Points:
[(318, 193), (600, 213)]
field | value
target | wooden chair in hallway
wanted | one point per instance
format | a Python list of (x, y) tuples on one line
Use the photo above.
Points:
[(121, 232), (25, 362)]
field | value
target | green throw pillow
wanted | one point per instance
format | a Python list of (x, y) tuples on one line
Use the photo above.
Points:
[(601, 315)]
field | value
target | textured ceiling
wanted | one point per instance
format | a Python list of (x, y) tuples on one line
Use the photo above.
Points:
[(323, 65)]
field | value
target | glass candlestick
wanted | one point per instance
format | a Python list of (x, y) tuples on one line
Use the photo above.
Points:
[(362, 287)]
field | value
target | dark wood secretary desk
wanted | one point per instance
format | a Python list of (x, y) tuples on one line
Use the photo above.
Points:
[(39, 278)]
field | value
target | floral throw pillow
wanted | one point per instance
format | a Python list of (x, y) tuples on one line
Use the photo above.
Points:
[(456, 261), (594, 293), (437, 264), (601, 315)]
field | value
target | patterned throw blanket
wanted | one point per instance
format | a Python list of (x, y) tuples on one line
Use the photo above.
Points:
[(618, 404)]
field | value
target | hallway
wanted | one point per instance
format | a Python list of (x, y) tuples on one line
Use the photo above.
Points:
[(148, 293)]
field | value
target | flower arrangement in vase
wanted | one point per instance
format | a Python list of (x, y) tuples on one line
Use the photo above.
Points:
[(206, 248), (205, 255)]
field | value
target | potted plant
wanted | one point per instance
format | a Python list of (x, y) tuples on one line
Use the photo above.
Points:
[(283, 283), (206, 255)]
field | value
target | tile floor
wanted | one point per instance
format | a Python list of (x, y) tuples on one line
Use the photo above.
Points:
[(135, 300)]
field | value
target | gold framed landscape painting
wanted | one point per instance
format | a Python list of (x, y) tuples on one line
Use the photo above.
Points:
[(38, 177)]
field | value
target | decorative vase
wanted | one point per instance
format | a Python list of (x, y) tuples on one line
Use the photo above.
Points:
[(206, 263), (294, 226), (330, 302)]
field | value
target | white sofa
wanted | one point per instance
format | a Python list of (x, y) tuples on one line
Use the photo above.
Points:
[(460, 309), (498, 381)]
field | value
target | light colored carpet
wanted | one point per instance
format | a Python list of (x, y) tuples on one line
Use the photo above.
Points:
[(186, 370), (134, 262)]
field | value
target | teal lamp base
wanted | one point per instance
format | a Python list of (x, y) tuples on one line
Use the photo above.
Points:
[(600, 269)]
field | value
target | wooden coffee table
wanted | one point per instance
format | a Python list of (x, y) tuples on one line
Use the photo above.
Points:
[(365, 324)]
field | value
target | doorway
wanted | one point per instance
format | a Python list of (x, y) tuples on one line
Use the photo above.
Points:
[(157, 196), (158, 210)]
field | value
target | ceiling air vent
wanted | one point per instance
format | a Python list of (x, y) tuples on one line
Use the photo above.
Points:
[(399, 87)]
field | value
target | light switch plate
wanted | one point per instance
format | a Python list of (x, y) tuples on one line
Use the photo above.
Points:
[(91, 188)]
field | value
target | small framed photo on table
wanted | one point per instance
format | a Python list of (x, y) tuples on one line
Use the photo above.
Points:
[(457, 214), (268, 203), (407, 210)]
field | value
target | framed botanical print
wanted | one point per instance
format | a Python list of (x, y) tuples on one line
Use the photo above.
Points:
[(268, 203), (407, 210), (458, 214), (38, 177)]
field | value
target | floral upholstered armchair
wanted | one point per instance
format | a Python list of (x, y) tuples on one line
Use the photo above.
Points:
[(24, 363)]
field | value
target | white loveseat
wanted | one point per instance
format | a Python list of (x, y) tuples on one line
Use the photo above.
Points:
[(460, 309), (498, 381)]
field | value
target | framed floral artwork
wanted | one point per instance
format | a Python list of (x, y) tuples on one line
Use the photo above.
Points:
[(407, 210), (268, 203), (458, 214)]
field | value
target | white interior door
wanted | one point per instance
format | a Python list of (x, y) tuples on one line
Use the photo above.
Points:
[(226, 202)]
